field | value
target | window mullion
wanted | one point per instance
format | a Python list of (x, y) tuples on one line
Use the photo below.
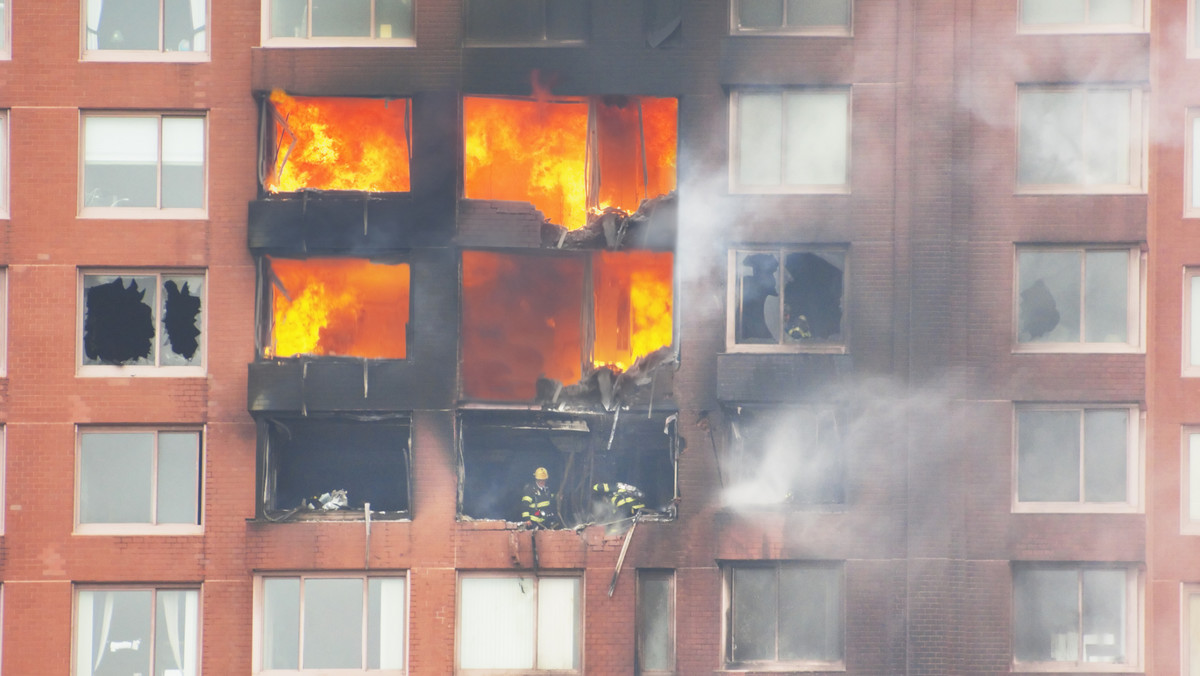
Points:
[(158, 169), (1083, 254), (780, 286), (783, 137), (157, 318), (162, 25), (372, 29), (1082, 455), (308, 9), (1079, 610)]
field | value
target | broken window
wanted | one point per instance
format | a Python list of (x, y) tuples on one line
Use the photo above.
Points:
[(791, 140), (570, 156), (146, 630), (819, 17), (138, 25), (143, 319), (349, 307), (314, 623), (335, 143), (501, 449), (338, 21), (1081, 15), (1080, 139), (1078, 298), (152, 162), (519, 622), (784, 614), (1074, 616), (656, 621), (787, 455), (319, 466), (786, 298), (139, 478), (527, 316), (526, 21), (1076, 456)]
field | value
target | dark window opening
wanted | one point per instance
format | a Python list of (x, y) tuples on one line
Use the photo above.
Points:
[(310, 462), (792, 298), (527, 21), (142, 319), (500, 450), (786, 456)]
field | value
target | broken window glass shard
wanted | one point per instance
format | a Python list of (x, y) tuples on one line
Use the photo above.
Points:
[(181, 320), (118, 325)]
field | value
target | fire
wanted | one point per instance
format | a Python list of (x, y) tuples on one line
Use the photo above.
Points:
[(339, 306), (633, 300), (570, 155), (332, 143)]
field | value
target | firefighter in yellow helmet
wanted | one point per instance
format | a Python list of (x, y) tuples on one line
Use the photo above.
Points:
[(537, 510), (625, 499)]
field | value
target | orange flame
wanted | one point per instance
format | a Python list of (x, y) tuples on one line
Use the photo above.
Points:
[(340, 144), (539, 151), (340, 306), (633, 303)]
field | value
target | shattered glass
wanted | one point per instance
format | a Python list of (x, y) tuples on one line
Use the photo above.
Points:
[(123, 314)]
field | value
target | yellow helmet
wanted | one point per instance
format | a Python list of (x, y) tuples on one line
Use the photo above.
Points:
[(541, 473)]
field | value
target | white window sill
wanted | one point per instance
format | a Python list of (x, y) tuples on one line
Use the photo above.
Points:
[(806, 31), (1075, 508), (143, 213), (143, 56), (311, 43), (1080, 29), (816, 348), (157, 530), (1074, 667), (107, 371), (1076, 190), (1077, 348)]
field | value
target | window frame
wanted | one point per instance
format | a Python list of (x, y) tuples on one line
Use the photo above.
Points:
[(1189, 523), (735, 27), (645, 575), (258, 623), (1134, 617), (750, 484), (1136, 272), (1189, 627), (154, 588), (1191, 163), (143, 213), (1138, 167), (5, 30), (1140, 10), (5, 163), (469, 41), (1193, 27), (135, 55), (310, 42), (1134, 462), (1190, 362), (735, 184), (536, 576)]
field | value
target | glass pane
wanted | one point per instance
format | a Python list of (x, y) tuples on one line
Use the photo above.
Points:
[(1112, 12), (812, 297), (754, 614), (1195, 150), (289, 18), (281, 623), (333, 622), (178, 480), (341, 18), (183, 162), (760, 13), (760, 136), (1104, 616), (558, 623), (182, 319), (119, 637), (504, 20), (655, 622), (1106, 440), (1053, 11), (1193, 638), (1106, 136), (1048, 309), (810, 613), (1106, 298), (566, 19), (393, 19), (1046, 615), (818, 12), (818, 126), (120, 161), (1050, 144), (386, 612), (759, 318), (1048, 456), (496, 623), (118, 323), (1194, 477), (184, 25), (115, 477), (175, 633), (123, 24)]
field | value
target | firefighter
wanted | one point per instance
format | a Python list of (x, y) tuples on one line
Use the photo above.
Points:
[(626, 500), (536, 499)]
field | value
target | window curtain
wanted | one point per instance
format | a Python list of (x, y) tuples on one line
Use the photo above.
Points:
[(179, 624), (105, 626)]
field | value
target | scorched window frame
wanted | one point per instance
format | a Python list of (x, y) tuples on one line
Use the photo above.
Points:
[(308, 41), (785, 28)]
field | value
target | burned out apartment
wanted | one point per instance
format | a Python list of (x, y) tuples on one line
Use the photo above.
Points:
[(887, 310)]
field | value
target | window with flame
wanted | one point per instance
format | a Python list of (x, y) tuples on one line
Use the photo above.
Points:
[(349, 307), (335, 143), (570, 157), (526, 316)]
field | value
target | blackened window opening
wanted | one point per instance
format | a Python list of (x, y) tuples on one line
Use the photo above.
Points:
[(118, 327), (142, 320)]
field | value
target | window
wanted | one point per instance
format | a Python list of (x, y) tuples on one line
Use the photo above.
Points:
[(1191, 208), (1079, 299), (784, 615), (803, 314), (1191, 629), (1075, 616), (807, 17), (787, 456), (142, 322), (5, 29), (162, 28), (1072, 457), (517, 622), (143, 630), (311, 23), (526, 21), (1191, 480), (314, 623), (3, 154), (1075, 139), (790, 141), (656, 622), (1191, 322), (147, 166), (1090, 16), (139, 480)]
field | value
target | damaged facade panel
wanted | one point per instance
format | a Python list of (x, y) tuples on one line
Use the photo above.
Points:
[(529, 317), (786, 299), (349, 307), (143, 319), (335, 143), (572, 157), (318, 466), (785, 455), (501, 449), (526, 21)]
